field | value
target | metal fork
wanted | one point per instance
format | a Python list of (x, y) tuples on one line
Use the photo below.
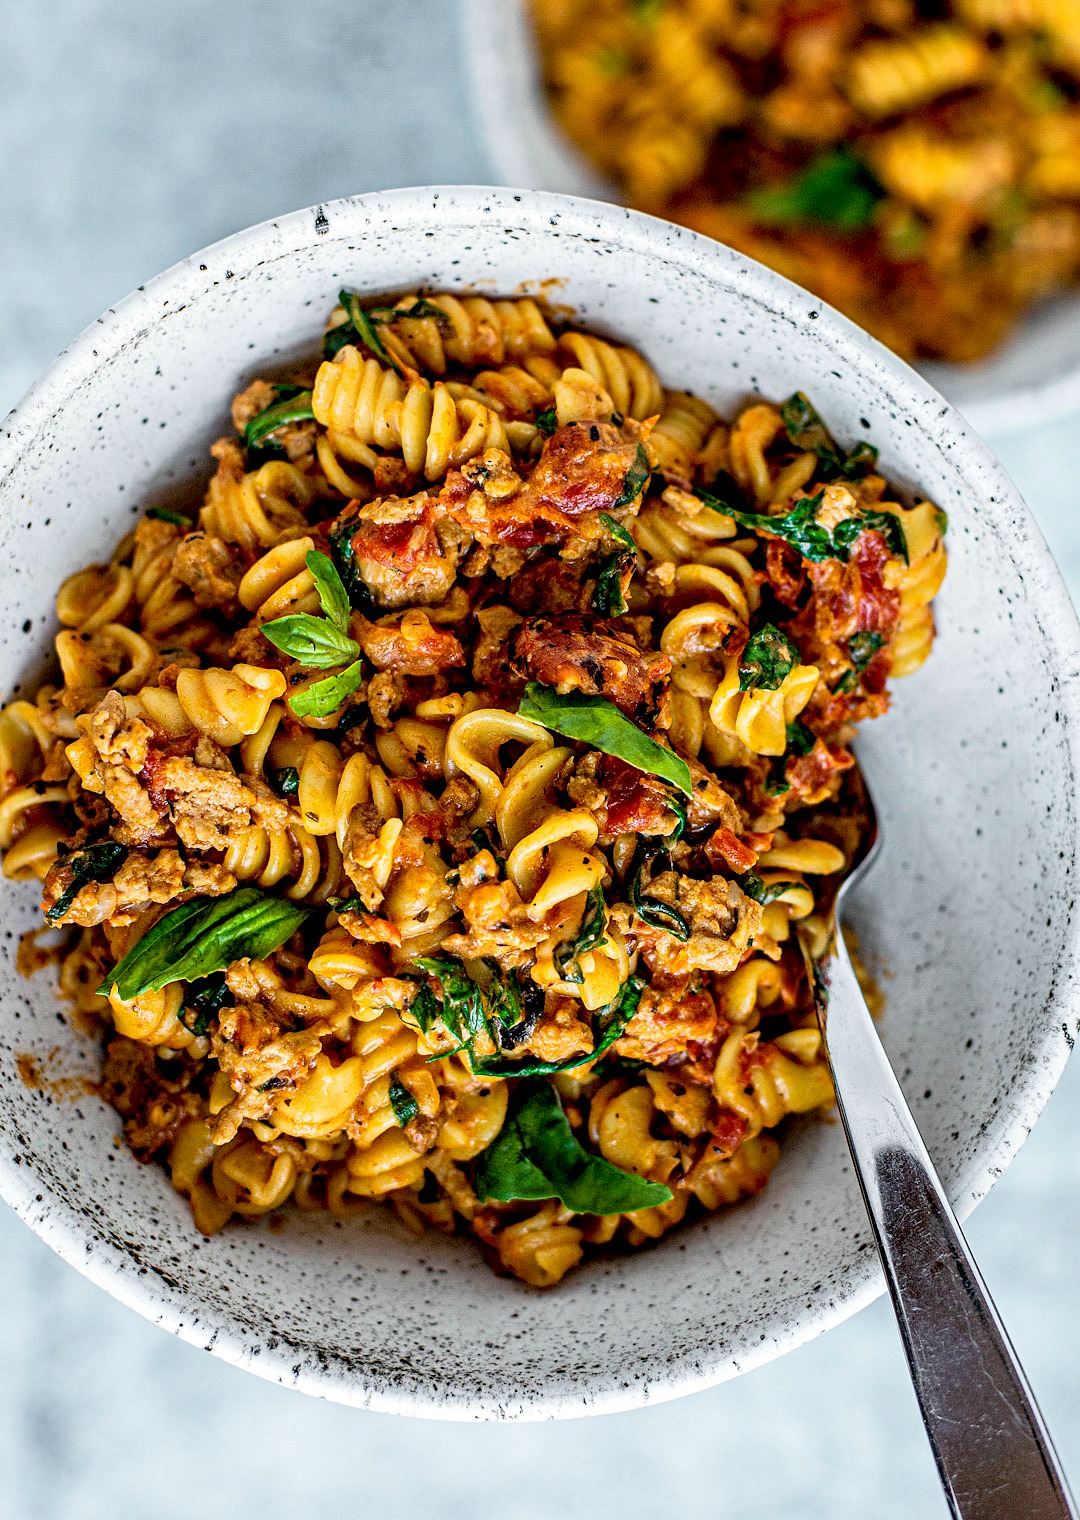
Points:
[(993, 1452)]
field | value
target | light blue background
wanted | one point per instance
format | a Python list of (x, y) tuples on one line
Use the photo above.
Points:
[(132, 133)]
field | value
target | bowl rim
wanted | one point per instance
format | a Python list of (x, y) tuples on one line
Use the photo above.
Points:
[(164, 1301), (525, 145)]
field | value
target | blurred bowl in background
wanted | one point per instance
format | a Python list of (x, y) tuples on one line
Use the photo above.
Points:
[(1033, 378), (969, 913)]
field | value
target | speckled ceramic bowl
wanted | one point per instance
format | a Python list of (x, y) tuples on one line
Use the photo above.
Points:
[(1032, 378), (970, 913)]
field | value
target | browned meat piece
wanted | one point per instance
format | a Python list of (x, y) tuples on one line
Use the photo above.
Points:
[(584, 654), (665, 1024), (139, 881), (584, 469), (398, 553), (153, 1106), (208, 806), (721, 919), (490, 667), (410, 645), (250, 402), (622, 799), (212, 569), (560, 1032), (549, 585), (155, 790), (710, 803), (261, 1063)]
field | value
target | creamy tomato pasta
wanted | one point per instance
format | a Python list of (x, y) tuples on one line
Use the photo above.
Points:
[(426, 817)]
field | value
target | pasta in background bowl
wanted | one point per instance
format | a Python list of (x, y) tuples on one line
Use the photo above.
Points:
[(930, 214), (977, 1001)]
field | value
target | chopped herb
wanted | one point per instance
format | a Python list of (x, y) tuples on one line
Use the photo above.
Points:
[(634, 480), (332, 593), (609, 598), (92, 862), (678, 807), (767, 661), (776, 782), (417, 312), (754, 887), (203, 936), (325, 697), (800, 739), (535, 1155), (862, 647), (294, 408), (462, 1009), (591, 933), (285, 782), (166, 514), (341, 547), (801, 529), (402, 1102), (596, 721), (836, 189), (806, 430), (656, 912), (886, 523), (547, 421), (353, 904), (425, 1008), (313, 641), (609, 1024), (357, 329), (203, 1001), (847, 682)]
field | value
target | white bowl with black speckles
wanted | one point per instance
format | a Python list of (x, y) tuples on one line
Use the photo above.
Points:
[(971, 911), (1032, 378)]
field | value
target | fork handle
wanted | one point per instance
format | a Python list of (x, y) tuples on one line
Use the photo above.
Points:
[(993, 1453)]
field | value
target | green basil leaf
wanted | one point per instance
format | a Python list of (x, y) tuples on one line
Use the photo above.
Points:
[(836, 190), (596, 721), (755, 888), (92, 862), (203, 1001), (204, 936), (536, 1155), (860, 460), (862, 647), (462, 1006), (656, 912), (609, 1024), (332, 593), (592, 932), (325, 697), (166, 514), (311, 640), (402, 1102), (634, 480), (294, 408), (547, 421), (285, 782), (357, 329), (767, 661)]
